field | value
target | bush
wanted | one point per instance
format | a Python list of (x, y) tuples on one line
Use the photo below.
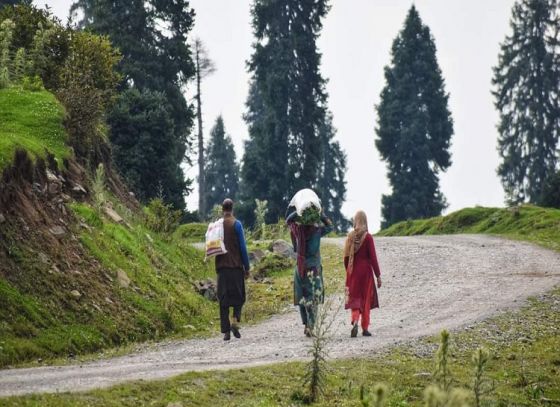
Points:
[(32, 84), (161, 218), (88, 82)]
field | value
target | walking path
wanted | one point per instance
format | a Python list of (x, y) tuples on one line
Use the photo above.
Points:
[(429, 283)]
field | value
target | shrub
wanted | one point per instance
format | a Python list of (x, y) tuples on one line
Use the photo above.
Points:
[(6, 33), (88, 82), (261, 209), (32, 84), (160, 217), (98, 187)]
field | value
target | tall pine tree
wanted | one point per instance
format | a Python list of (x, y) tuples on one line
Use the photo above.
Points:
[(153, 39), (414, 125), (221, 169), (204, 67), (527, 85), (287, 102)]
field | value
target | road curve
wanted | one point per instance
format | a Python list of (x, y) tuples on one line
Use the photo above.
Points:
[(429, 283)]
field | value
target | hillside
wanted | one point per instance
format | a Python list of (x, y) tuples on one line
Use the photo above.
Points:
[(72, 279), (530, 223)]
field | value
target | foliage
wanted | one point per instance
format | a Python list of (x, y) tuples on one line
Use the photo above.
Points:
[(191, 232), (146, 162), (6, 32), (15, 2), (270, 264), (414, 125), (161, 217), (221, 171), (32, 84), (19, 65), (442, 373), (481, 385), (98, 188), (27, 19), (310, 216), (203, 68), (32, 121), (261, 209), (527, 84), (286, 105), (317, 368), (53, 47), (551, 194), (87, 84), (331, 185), (153, 39)]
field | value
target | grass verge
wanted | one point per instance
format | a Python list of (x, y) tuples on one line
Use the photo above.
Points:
[(529, 223)]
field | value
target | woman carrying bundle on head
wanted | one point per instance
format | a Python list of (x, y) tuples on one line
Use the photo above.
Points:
[(360, 261), (307, 226)]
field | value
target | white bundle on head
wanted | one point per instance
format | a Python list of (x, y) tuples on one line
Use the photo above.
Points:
[(305, 198)]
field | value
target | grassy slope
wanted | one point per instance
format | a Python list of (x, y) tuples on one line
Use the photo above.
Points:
[(30, 120), (38, 317), (530, 223), (160, 302)]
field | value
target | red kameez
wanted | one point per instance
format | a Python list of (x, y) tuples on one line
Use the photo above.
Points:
[(360, 285)]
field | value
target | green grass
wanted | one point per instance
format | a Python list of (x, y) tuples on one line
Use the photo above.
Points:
[(160, 302), (192, 232), (524, 365), (529, 223), (32, 121)]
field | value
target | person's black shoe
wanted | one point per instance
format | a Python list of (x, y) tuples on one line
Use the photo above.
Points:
[(227, 336), (354, 331), (235, 330), (366, 333)]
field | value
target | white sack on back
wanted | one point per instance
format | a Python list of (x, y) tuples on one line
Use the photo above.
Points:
[(215, 239), (304, 199)]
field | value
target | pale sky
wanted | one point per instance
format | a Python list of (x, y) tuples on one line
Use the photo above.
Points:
[(355, 44)]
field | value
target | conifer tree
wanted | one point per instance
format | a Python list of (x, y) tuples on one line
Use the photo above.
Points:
[(204, 67), (527, 84), (135, 118), (286, 105), (414, 125), (221, 169), (153, 39), (15, 2), (331, 184)]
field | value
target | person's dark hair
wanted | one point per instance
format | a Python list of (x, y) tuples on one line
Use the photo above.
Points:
[(227, 205)]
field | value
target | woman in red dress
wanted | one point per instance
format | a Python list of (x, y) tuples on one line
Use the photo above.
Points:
[(361, 264)]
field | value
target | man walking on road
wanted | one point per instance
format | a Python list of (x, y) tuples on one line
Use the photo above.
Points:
[(232, 269)]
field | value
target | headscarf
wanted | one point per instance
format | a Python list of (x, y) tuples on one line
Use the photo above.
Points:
[(355, 238)]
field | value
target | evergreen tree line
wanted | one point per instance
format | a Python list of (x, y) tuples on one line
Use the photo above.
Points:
[(414, 125), (291, 134)]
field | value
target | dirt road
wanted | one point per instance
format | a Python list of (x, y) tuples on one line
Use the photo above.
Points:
[(429, 283)]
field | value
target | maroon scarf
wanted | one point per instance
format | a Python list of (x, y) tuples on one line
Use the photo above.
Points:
[(300, 233)]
